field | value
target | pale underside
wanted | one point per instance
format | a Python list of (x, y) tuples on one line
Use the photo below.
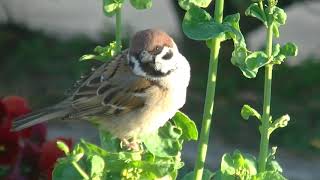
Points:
[(128, 105)]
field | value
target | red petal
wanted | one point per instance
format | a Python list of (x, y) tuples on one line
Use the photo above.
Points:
[(9, 146), (50, 153), (16, 106)]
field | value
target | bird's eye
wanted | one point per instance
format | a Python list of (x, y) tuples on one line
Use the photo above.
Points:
[(157, 50)]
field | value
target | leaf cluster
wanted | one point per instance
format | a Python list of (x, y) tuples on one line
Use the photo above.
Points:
[(110, 7), (237, 165), (199, 25), (103, 54), (158, 157)]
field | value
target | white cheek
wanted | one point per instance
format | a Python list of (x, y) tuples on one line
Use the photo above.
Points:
[(136, 69), (165, 65)]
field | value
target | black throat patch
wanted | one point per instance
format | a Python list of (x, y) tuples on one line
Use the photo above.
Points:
[(149, 69)]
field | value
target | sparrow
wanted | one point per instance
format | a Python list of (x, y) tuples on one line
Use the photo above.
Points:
[(133, 94)]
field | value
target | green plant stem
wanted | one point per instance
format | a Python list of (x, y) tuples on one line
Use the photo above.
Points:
[(264, 142), (210, 93), (118, 28), (80, 170)]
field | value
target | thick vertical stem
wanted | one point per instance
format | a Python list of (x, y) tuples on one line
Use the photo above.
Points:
[(264, 142), (118, 28), (210, 93)]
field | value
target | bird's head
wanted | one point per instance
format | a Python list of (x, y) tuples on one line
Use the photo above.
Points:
[(153, 53)]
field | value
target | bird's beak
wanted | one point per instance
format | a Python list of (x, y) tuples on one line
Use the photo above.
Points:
[(146, 57)]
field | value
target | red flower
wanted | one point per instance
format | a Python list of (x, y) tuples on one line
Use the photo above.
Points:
[(50, 153), (38, 134), (3, 112), (16, 106), (9, 146)]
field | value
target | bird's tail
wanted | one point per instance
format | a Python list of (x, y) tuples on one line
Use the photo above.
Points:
[(40, 116)]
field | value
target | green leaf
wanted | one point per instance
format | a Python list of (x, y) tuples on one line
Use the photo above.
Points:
[(188, 127), (108, 142), (187, 4), (256, 60), (207, 175), (279, 15), (275, 30), (276, 50), (255, 11), (165, 142), (232, 29), (92, 149), (273, 165), (289, 49), (227, 164), (278, 59), (63, 147), (198, 25), (270, 175), (153, 170), (248, 111), (141, 4), (104, 53), (96, 166), (77, 153), (236, 162), (111, 6), (279, 123), (223, 176), (64, 170), (239, 56)]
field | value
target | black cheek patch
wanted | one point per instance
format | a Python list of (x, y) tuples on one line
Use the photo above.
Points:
[(168, 55)]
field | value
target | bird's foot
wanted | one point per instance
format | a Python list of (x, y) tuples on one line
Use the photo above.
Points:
[(131, 144)]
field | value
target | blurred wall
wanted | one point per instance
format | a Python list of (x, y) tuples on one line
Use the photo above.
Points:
[(67, 18), (302, 27)]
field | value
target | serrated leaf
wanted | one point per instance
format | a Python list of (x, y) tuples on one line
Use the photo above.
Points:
[(188, 127), (108, 142), (227, 164), (276, 50), (270, 175), (97, 166), (236, 162), (198, 25), (223, 176), (279, 15), (141, 4), (248, 111), (255, 11), (279, 59), (275, 30), (256, 60), (187, 4), (248, 73), (289, 49), (232, 30), (153, 170), (239, 56), (164, 142), (207, 175), (92, 149), (273, 165)]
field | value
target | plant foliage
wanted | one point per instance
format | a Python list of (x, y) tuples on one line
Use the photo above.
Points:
[(158, 157)]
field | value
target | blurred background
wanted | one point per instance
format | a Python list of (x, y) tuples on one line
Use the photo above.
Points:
[(42, 40)]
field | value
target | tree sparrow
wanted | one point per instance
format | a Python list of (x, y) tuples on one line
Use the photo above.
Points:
[(135, 93)]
